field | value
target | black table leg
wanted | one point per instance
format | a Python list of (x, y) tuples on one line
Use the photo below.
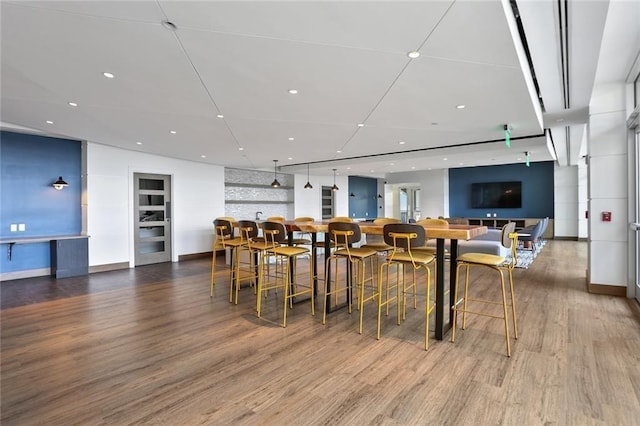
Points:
[(327, 271), (314, 262), (440, 288), (453, 271)]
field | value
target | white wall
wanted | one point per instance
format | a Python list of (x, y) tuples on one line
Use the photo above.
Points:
[(434, 190), (583, 199), (565, 188), (607, 146), (308, 201), (197, 192)]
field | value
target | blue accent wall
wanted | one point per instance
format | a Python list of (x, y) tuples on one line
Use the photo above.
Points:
[(29, 165), (364, 202), (537, 189)]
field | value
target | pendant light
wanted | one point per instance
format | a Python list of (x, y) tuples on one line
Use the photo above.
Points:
[(334, 187), (275, 183), (308, 185)]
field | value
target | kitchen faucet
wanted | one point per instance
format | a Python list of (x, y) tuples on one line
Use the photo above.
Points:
[(258, 215)]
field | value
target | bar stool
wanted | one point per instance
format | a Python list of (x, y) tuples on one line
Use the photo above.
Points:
[(376, 242), (343, 235), (434, 223), (404, 238), (302, 239), (248, 232), (286, 256), (499, 264), (224, 240)]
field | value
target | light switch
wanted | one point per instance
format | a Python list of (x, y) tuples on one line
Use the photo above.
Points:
[(21, 227), (14, 227)]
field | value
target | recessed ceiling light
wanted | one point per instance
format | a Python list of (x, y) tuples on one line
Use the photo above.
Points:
[(203, 156), (401, 142), (49, 122), (339, 151), (290, 158), (348, 168), (392, 164), (169, 25), (138, 143), (360, 124), (519, 158), (445, 158), (173, 132), (372, 171), (460, 106), (461, 164), (413, 54), (559, 120), (291, 139), (413, 167), (73, 104), (220, 116), (241, 149), (108, 74), (293, 91)]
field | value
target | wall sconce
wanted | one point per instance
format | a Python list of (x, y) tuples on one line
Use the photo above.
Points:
[(60, 183), (275, 183), (308, 184), (334, 187), (527, 158)]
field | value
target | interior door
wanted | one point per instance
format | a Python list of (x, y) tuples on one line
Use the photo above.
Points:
[(152, 216)]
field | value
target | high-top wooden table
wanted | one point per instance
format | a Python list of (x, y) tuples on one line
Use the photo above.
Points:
[(440, 233)]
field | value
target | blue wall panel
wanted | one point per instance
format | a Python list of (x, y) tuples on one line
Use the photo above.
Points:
[(537, 189), (29, 165), (364, 202)]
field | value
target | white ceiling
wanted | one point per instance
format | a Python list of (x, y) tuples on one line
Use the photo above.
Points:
[(348, 60)]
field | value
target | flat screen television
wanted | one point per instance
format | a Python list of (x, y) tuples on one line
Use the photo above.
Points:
[(496, 195)]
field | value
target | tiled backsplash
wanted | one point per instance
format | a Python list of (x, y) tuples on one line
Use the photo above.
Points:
[(249, 191)]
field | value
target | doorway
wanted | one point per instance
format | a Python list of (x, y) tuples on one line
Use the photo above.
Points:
[(152, 218)]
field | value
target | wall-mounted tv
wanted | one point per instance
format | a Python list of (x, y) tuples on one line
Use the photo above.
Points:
[(496, 195)]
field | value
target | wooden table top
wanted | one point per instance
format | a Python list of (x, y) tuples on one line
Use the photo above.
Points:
[(449, 232)]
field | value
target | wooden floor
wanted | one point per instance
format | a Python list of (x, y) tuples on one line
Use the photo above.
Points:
[(152, 348)]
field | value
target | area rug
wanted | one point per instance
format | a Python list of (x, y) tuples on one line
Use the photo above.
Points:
[(526, 256)]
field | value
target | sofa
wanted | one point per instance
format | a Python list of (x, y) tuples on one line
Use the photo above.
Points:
[(489, 243)]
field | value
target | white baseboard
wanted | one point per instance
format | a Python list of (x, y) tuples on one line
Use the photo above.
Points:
[(30, 273)]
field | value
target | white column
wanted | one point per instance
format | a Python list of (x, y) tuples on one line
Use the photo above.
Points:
[(607, 186)]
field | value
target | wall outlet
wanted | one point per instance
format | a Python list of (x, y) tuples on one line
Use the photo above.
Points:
[(14, 227), (21, 227)]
